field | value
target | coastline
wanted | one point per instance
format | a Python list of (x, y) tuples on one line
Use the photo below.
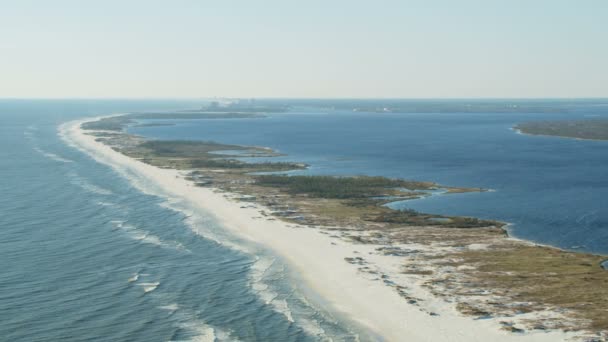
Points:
[(520, 132), (565, 129), (318, 259)]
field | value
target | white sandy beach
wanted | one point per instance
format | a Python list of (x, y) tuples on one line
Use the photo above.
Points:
[(319, 260)]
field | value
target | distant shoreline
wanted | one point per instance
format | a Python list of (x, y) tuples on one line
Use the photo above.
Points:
[(587, 129)]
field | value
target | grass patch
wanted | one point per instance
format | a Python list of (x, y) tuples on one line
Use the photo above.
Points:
[(187, 148), (545, 275), (359, 187), (114, 123)]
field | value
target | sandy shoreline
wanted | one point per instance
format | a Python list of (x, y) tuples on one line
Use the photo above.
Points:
[(318, 259)]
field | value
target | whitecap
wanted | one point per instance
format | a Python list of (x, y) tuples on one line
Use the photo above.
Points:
[(145, 236), (117, 223), (29, 132), (171, 307), (106, 204), (134, 278), (88, 186), (203, 332), (148, 238), (259, 270), (312, 327), (149, 287), (52, 156), (280, 305)]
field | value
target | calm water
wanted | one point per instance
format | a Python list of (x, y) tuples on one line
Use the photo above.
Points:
[(552, 190), (86, 256)]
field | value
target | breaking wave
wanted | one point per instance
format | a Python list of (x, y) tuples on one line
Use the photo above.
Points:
[(52, 156), (145, 236), (88, 186)]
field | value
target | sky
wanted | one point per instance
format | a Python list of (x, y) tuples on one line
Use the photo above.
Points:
[(312, 48)]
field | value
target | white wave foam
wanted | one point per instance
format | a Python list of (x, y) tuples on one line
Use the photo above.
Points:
[(171, 307), (264, 273), (29, 135), (204, 226), (203, 332), (134, 278), (29, 132), (52, 156), (170, 203), (199, 330), (149, 287), (280, 305), (148, 238), (206, 333), (312, 327), (106, 204), (145, 236), (259, 270), (88, 186)]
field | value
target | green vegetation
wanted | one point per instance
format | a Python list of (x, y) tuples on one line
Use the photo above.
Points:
[(339, 187), (186, 154), (249, 167), (186, 148), (414, 218), (582, 129), (113, 123), (364, 196), (543, 275)]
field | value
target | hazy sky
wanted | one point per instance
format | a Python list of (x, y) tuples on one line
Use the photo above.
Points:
[(283, 48)]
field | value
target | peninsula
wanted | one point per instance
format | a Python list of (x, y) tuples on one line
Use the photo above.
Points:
[(381, 267)]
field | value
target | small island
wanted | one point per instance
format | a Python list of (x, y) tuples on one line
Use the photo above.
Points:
[(595, 129)]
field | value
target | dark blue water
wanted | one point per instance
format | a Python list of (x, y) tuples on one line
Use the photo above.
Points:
[(86, 256), (553, 190)]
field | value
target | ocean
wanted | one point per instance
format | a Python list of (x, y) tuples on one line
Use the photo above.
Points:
[(94, 253)]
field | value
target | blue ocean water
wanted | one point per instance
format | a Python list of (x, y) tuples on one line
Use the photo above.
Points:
[(552, 190), (86, 256)]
